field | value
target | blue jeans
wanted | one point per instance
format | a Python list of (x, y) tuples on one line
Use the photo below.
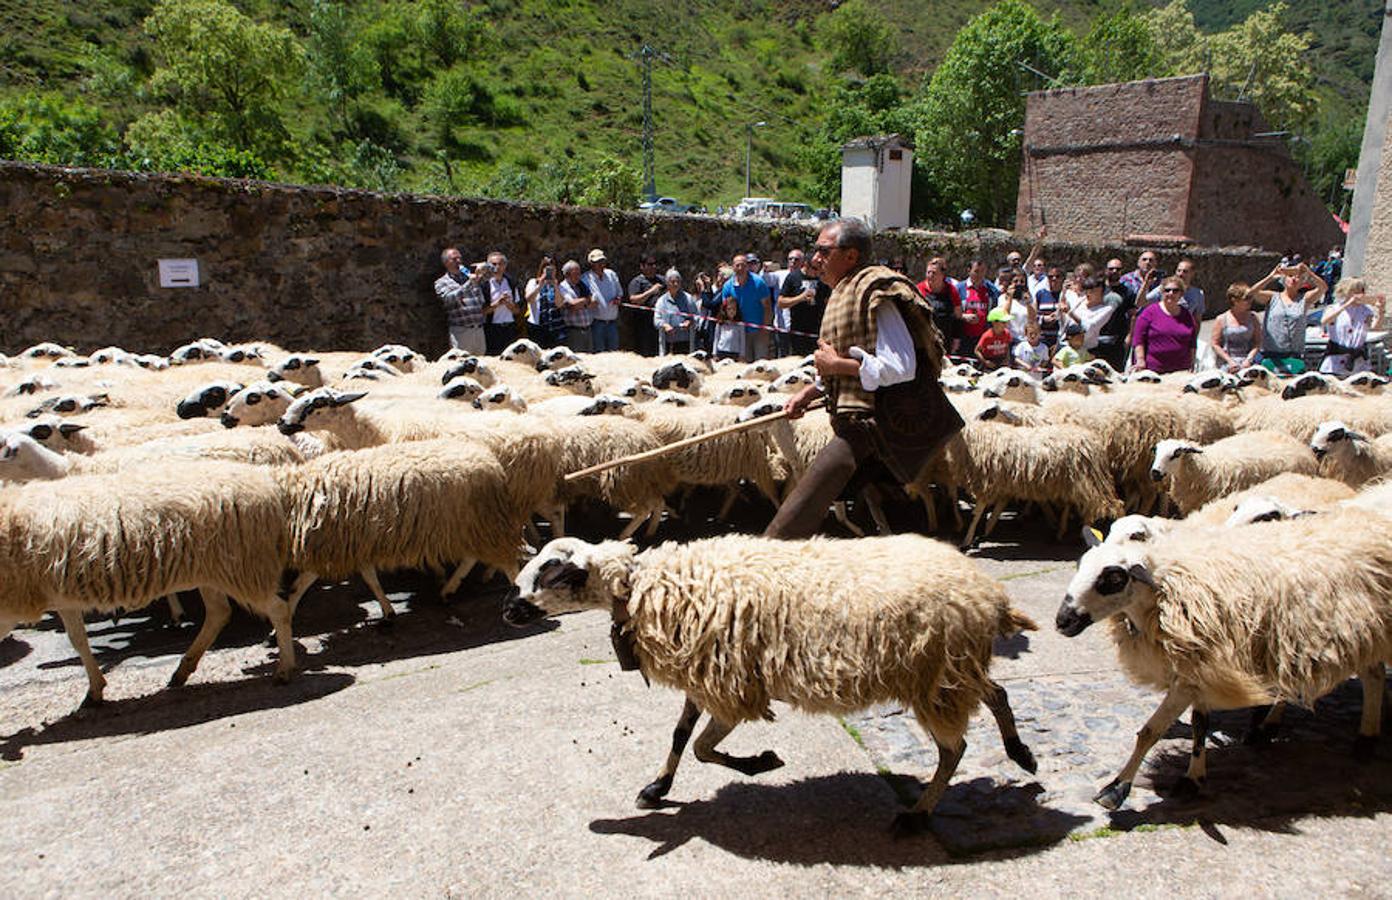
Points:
[(606, 335)]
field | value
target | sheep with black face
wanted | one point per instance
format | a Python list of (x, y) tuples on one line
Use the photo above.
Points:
[(827, 626)]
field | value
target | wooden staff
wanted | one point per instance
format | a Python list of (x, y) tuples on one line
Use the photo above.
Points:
[(686, 442)]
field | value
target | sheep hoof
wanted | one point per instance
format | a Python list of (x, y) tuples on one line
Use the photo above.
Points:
[(1113, 795), (911, 824), (651, 796), (91, 701), (1364, 746), (1017, 751), (282, 676), (764, 762), (1185, 788)]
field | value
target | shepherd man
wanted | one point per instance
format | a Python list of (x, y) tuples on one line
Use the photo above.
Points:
[(878, 359)]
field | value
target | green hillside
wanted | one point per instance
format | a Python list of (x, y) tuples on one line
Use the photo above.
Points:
[(525, 99)]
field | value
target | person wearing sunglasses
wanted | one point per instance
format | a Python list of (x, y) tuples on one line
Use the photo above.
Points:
[(878, 358), (1165, 332)]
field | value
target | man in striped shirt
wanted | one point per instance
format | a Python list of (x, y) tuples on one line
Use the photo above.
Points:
[(462, 299)]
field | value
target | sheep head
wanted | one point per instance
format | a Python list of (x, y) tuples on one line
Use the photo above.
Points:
[(523, 351), (51, 431), (317, 409), (569, 574), (1167, 456), (1110, 579), (299, 369), (1332, 434), (207, 400), (22, 459), (259, 403)]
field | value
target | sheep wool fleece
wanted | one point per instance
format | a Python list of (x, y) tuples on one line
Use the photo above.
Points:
[(825, 625)]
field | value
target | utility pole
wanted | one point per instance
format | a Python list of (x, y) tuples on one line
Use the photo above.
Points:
[(649, 175)]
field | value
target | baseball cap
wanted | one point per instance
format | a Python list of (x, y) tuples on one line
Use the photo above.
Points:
[(597, 255), (1072, 329), (998, 315)]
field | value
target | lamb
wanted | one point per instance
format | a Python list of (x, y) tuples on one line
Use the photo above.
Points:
[(416, 505), (1349, 456), (793, 381), (828, 626), (1241, 630), (99, 544), (69, 405), (298, 368), (47, 350), (760, 370), (1200, 474)]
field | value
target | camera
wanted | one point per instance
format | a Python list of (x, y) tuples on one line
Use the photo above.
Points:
[(484, 268)]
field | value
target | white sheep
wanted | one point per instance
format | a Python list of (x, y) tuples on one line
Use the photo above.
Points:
[(794, 381), (1011, 385), (1252, 626), (259, 403), (678, 376), (501, 397), (1315, 383), (72, 362), (207, 400), (557, 358), (472, 366), (522, 351), (101, 544), (69, 405), (298, 368), (1294, 490), (1366, 382), (827, 626), (425, 504), (760, 370), (575, 379), (1200, 474), (462, 388), (1349, 456), (37, 383), (47, 350), (58, 435), (638, 390), (739, 393)]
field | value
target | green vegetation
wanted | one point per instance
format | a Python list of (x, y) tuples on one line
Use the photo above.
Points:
[(542, 100)]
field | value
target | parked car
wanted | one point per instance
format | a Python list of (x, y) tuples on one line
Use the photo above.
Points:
[(665, 204)]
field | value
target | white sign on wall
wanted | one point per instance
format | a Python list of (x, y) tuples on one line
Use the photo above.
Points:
[(178, 273)]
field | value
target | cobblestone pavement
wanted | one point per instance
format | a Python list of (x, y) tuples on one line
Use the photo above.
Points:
[(362, 701)]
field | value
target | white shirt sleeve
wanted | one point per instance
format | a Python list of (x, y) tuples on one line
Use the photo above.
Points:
[(1092, 322), (893, 361)]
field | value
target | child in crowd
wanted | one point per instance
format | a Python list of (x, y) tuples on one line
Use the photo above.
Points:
[(1074, 353), (1032, 354), (993, 347), (729, 332)]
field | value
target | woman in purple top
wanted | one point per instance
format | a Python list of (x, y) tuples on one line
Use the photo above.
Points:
[(1165, 332)]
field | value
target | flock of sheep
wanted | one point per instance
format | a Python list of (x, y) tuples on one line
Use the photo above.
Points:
[(248, 472)]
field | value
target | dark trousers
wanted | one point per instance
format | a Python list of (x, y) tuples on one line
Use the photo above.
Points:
[(802, 512), (497, 337)]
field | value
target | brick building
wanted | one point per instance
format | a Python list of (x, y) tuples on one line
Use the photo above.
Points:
[(1161, 161)]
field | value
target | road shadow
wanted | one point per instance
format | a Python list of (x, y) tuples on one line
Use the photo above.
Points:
[(175, 708), (842, 819), (1309, 770), (1012, 647), (12, 650)]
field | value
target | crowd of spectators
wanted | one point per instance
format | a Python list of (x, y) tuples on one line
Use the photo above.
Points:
[(1032, 315)]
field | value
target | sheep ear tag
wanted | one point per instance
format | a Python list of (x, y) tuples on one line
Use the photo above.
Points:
[(1091, 536)]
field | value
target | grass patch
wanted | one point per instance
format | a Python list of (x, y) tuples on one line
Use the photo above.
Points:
[(1049, 570), (1107, 831), (596, 662), (853, 731)]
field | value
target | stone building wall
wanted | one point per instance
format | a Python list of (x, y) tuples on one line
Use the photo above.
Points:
[(317, 268), (1160, 159)]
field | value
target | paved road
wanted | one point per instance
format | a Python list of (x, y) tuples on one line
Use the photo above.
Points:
[(450, 755)]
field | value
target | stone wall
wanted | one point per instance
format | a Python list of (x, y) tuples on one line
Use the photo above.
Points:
[(1161, 159), (317, 268)]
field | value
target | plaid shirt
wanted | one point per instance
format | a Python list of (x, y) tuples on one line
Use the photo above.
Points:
[(462, 300), (575, 317)]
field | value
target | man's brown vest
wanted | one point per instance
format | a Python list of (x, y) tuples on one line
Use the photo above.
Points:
[(849, 321)]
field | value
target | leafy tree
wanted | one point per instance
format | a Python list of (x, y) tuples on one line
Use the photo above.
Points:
[(224, 66), (612, 183), (965, 114), (1259, 60), (858, 38), (450, 31), (342, 65), (48, 128), (1119, 46), (1177, 38), (163, 142), (1334, 147)]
